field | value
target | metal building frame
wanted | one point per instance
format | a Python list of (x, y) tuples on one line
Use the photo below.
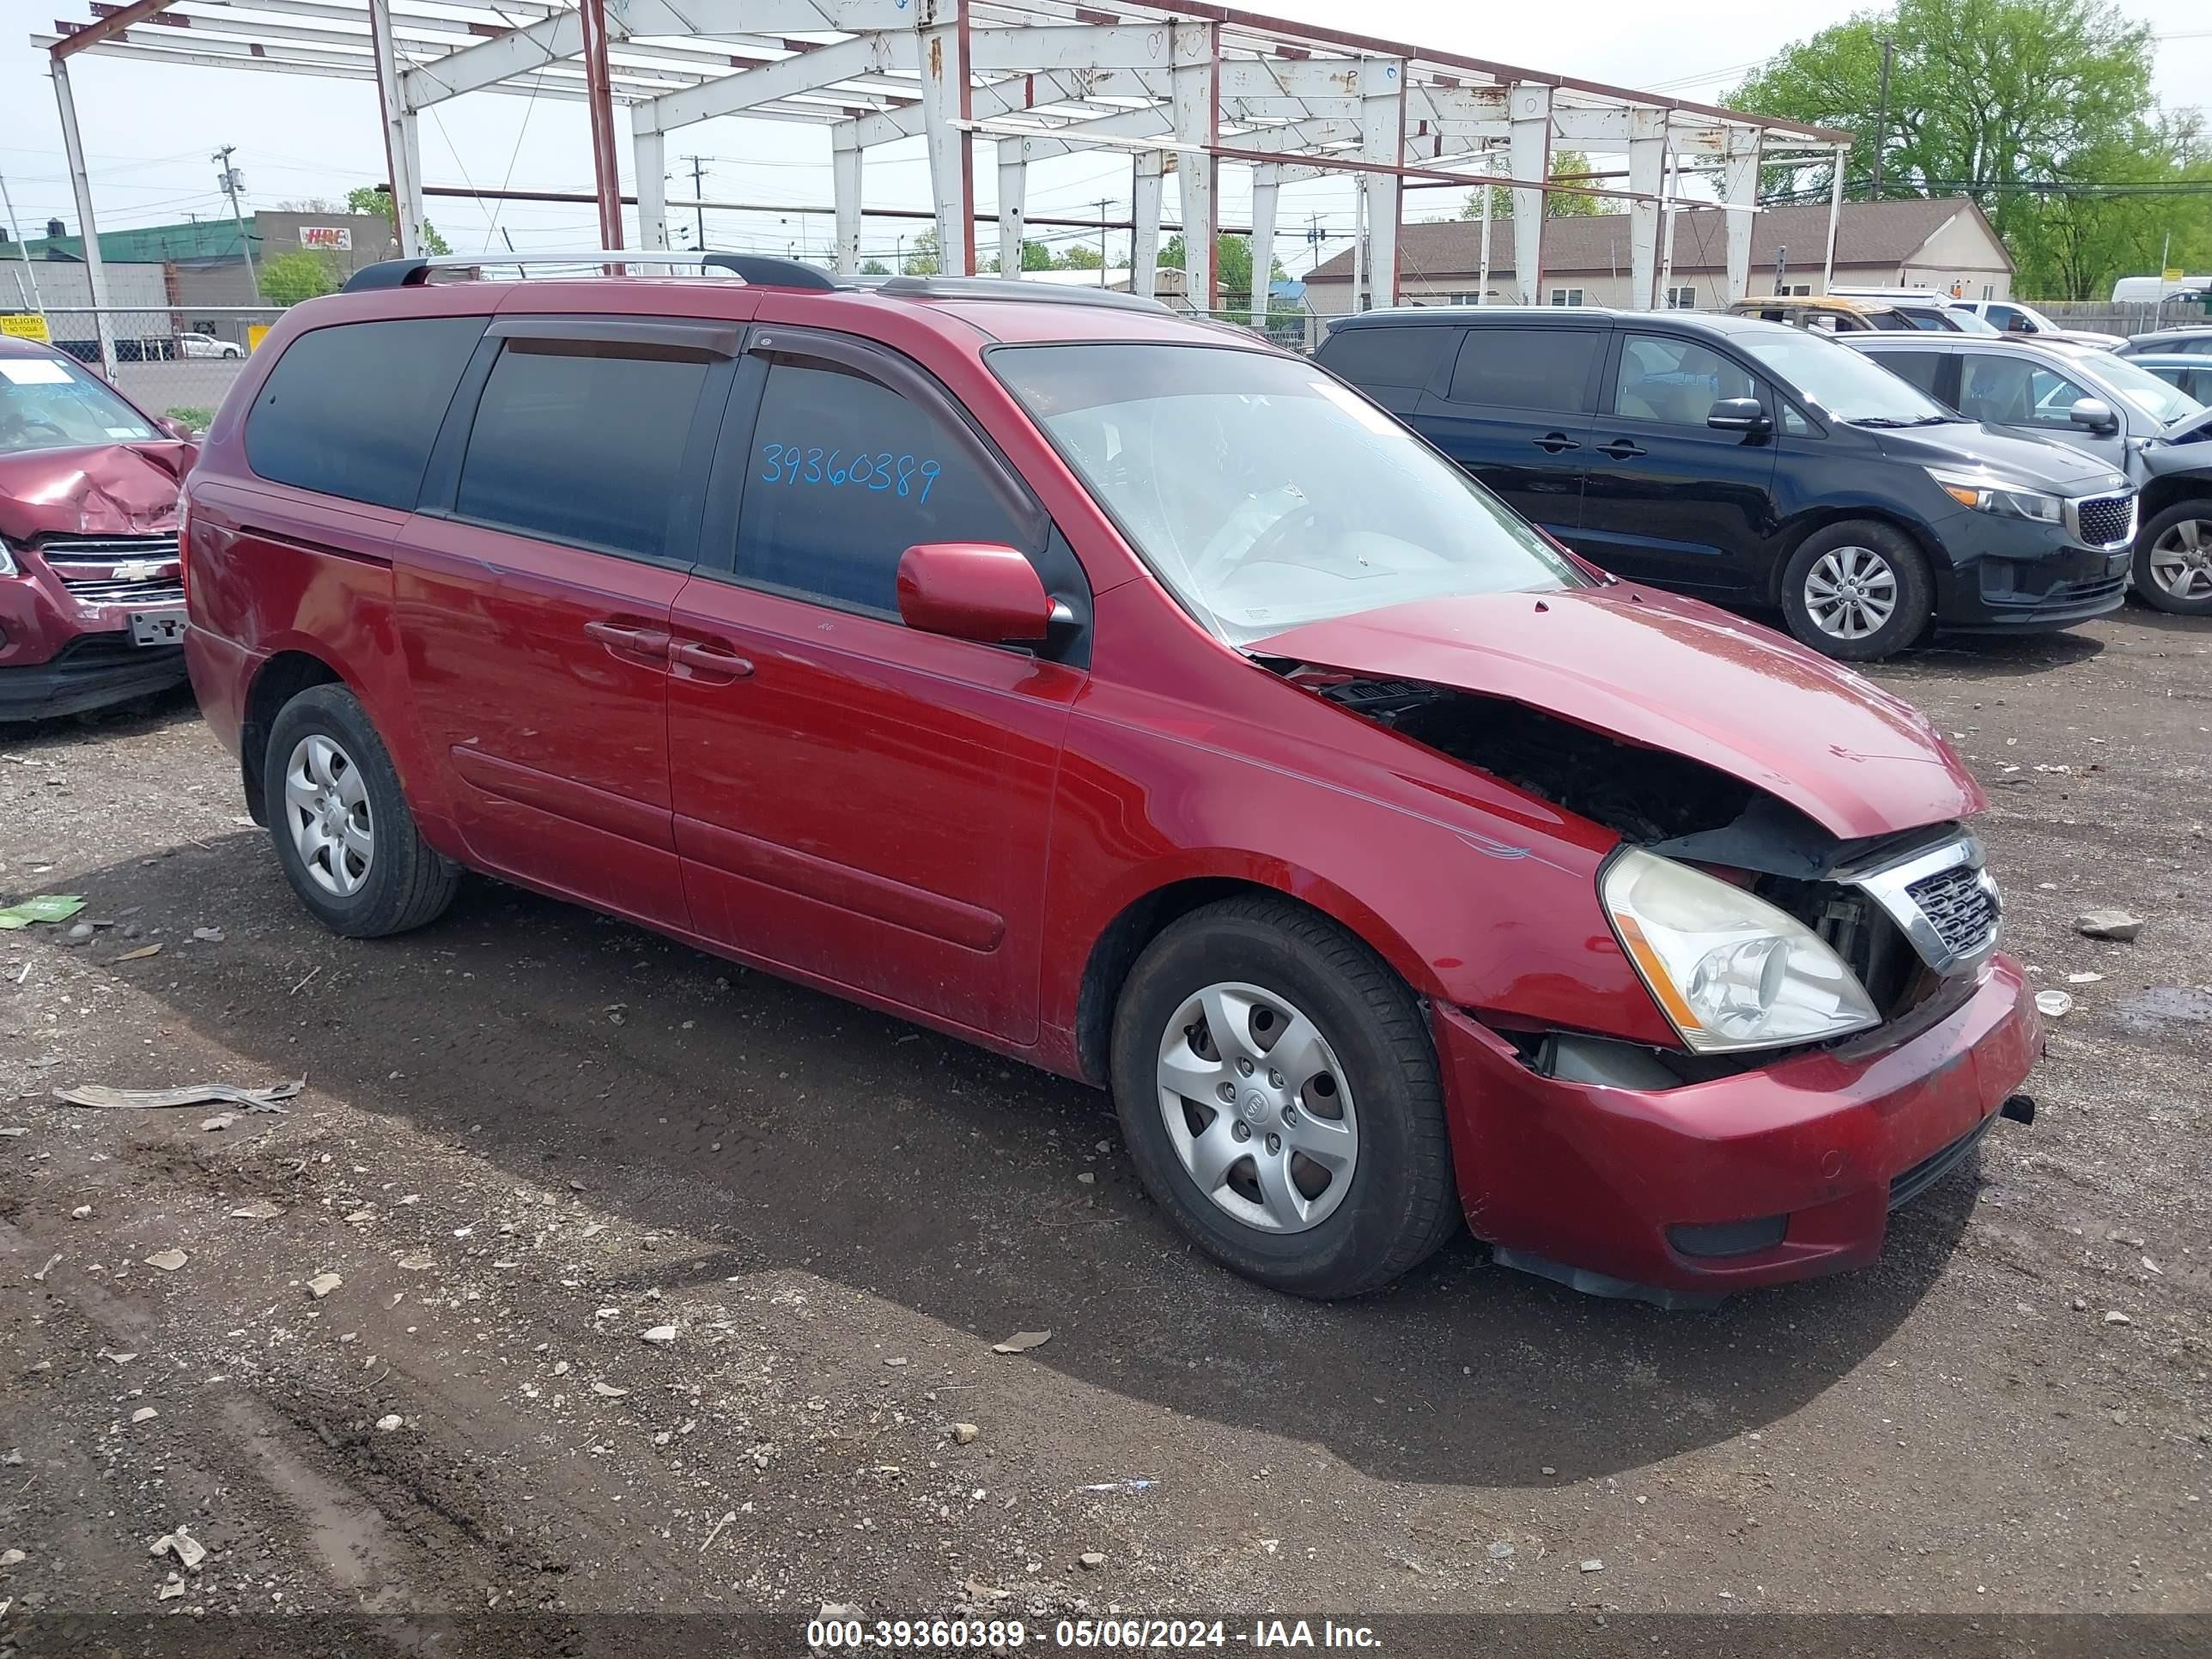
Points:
[(1183, 87)]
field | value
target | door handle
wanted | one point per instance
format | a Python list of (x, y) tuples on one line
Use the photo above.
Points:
[(1553, 442), (1621, 449), (710, 660), (624, 636)]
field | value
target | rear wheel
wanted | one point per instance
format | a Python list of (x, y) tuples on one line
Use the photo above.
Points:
[(1858, 591), (2173, 560), (1279, 1096)]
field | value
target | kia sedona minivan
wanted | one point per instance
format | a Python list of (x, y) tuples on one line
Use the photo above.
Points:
[(1129, 697), (1754, 464)]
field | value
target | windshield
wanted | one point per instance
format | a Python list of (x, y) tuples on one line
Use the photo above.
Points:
[(47, 403), (1264, 492), (1968, 322), (2163, 402), (1840, 383)]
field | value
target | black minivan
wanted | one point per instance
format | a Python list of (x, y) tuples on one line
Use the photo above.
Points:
[(1752, 463)]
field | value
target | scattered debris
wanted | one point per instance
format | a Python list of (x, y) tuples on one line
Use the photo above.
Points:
[(1133, 1483), (47, 906), (966, 1433), (10, 1558), (82, 1213), (302, 985), (188, 1550), (167, 1261), (608, 1391), (140, 954), (1593, 1565), (14, 1131), (2056, 1004), (895, 1360), (219, 1121), (208, 935), (1087, 1179), (1022, 1342), (661, 1333), (2116, 1317), (144, 1414), (322, 1284), (975, 1587), (2083, 979), (39, 1277), (2121, 925), (113, 1357), (195, 1094), (2151, 1266), (171, 1589), (728, 1515), (415, 1262), (261, 1209), (390, 1421), (1501, 1550), (1091, 1560)]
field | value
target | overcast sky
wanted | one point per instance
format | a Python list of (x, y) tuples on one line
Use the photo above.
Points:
[(149, 130)]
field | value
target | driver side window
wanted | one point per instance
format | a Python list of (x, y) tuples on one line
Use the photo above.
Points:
[(2009, 391), (1674, 380)]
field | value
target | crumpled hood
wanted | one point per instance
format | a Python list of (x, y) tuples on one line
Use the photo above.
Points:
[(110, 489), (1674, 674)]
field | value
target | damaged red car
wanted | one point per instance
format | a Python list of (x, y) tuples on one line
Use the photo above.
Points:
[(1132, 698), (92, 612)]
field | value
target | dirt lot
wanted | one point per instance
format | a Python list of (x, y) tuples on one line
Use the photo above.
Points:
[(531, 1136)]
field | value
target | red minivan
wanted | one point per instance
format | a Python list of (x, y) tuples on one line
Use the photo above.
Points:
[(1128, 696)]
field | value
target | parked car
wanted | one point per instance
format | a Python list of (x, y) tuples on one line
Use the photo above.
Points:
[(1124, 694), (2192, 341), (1920, 308), (91, 611), (1824, 314), (206, 345), (2016, 317), (2109, 407), (2191, 375), (1762, 464)]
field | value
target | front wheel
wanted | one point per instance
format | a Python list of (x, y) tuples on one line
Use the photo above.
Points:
[(2173, 560), (1279, 1096), (1858, 591)]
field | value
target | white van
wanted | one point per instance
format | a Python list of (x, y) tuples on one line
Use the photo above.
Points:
[(2150, 290)]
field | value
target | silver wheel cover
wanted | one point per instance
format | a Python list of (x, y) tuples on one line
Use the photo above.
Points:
[(327, 813)]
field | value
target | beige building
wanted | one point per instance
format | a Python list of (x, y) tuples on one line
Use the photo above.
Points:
[(1941, 243)]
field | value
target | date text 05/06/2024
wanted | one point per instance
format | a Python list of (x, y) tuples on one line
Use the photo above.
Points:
[(1106, 1635)]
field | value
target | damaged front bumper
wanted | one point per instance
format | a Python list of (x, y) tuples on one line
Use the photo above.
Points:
[(1682, 1194)]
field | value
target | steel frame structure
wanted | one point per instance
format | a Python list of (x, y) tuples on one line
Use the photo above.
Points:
[(1184, 87)]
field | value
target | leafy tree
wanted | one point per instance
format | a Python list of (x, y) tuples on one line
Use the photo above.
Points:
[(1568, 166), (1035, 256), (923, 261), (1233, 257), (376, 200), (1081, 255), (303, 274), (875, 268), (2029, 106)]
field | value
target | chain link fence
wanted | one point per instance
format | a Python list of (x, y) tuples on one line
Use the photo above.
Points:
[(177, 362)]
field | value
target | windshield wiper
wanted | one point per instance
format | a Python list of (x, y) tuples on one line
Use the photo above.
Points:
[(1899, 420)]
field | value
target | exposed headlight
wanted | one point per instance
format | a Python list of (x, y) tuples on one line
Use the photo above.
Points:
[(8, 565), (1731, 971), (1985, 493)]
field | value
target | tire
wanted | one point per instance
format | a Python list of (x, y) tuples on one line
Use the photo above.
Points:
[(2183, 533), (359, 863), (1266, 959), (1891, 567)]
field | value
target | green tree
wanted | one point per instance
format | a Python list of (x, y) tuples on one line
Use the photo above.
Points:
[(1232, 258), (875, 268), (1568, 166), (376, 200), (923, 261), (301, 275), (1081, 255), (2035, 108)]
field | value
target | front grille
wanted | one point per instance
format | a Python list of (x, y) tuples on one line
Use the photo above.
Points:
[(1910, 1183), (2106, 520), (116, 569), (1959, 906)]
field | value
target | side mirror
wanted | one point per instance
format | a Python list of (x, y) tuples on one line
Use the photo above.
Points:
[(1737, 414), (2095, 415), (177, 430), (973, 590)]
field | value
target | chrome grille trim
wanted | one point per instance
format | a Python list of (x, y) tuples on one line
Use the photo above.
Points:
[(2102, 521), (1942, 899), (125, 570)]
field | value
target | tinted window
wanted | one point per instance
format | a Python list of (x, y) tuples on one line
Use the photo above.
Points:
[(2013, 391), (1526, 368), (1921, 368), (1677, 382), (579, 442), (352, 410), (844, 475), (1398, 357), (1932, 321)]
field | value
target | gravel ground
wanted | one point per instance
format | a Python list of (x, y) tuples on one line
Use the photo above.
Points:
[(666, 1287)]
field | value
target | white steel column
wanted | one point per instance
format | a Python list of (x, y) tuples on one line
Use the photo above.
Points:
[(1193, 51), (1667, 213), (1144, 240), (1835, 213), (1013, 188), (403, 153), (1529, 108), (845, 153), (1489, 195), (1647, 176), (1740, 191), (1382, 138), (649, 149), (95, 269), (1266, 182), (952, 147), (1358, 243)]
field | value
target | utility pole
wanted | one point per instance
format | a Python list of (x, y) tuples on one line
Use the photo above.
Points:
[(699, 198), (1882, 121), (231, 181)]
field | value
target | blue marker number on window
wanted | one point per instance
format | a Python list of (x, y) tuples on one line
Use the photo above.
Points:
[(795, 464)]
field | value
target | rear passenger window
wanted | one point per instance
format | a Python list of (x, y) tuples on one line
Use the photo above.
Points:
[(352, 410), (1921, 368), (1526, 368), (583, 441), (844, 475), (1382, 358), (1674, 380)]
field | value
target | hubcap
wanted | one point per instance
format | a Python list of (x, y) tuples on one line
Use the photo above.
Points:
[(326, 809), (1258, 1108), (1850, 592), (2181, 560)]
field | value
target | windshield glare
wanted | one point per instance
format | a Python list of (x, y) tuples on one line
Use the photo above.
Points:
[(47, 403), (1837, 382), (1263, 492), (2163, 401)]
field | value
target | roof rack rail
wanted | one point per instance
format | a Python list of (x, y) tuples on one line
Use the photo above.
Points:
[(998, 288), (757, 269)]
